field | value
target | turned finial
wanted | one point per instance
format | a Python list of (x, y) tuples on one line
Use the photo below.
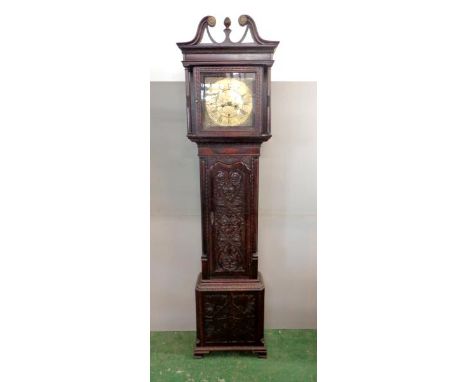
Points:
[(227, 31)]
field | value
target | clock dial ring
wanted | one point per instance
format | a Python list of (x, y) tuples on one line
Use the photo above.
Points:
[(229, 102)]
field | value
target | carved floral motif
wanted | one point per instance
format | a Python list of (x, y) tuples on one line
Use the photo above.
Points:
[(229, 220), (229, 318)]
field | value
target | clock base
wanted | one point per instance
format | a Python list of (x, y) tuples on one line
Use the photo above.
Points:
[(201, 351), (230, 316)]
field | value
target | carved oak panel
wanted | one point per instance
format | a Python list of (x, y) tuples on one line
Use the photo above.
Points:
[(230, 318), (230, 220)]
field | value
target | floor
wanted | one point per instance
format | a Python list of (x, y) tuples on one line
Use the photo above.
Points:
[(292, 357)]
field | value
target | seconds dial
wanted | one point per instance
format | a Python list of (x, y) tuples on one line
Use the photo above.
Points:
[(228, 102)]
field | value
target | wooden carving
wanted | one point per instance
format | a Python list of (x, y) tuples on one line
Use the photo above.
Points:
[(244, 21), (229, 289), (230, 318), (230, 185)]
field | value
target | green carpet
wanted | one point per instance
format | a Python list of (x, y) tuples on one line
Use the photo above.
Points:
[(292, 357)]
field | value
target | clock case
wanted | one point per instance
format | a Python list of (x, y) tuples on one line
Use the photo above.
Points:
[(229, 290)]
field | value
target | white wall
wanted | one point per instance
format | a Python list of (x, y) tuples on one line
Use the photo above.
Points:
[(287, 209)]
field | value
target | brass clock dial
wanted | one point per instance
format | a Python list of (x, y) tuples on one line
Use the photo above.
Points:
[(228, 102)]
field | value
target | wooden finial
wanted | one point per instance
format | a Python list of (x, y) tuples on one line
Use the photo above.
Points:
[(227, 31)]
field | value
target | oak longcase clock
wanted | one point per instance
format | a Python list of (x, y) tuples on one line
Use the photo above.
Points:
[(228, 113)]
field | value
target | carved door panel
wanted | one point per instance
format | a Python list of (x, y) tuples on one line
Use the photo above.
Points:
[(230, 205), (230, 318)]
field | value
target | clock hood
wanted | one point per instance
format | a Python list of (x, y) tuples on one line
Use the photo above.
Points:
[(198, 53)]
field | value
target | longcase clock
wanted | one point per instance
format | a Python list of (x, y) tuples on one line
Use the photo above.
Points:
[(228, 113)]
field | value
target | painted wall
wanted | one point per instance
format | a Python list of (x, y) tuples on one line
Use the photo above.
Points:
[(287, 209)]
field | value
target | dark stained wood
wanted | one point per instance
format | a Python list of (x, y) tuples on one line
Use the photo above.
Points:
[(224, 160), (229, 290), (230, 315), (256, 130)]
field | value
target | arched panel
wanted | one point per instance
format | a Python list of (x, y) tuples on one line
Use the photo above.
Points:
[(230, 219)]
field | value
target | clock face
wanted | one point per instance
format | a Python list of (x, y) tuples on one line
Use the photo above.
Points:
[(228, 101)]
